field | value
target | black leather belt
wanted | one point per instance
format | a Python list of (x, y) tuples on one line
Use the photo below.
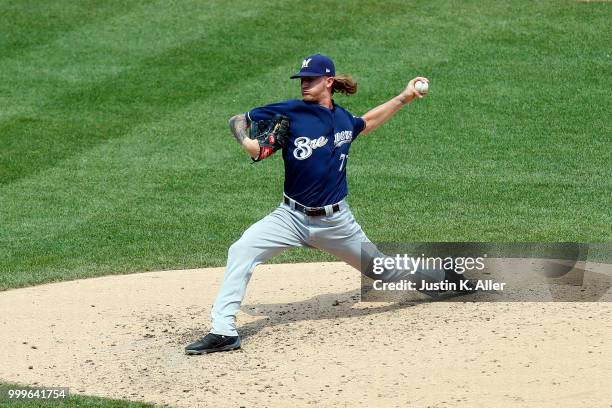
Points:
[(312, 211)]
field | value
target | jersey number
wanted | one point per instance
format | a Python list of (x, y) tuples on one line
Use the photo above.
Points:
[(343, 160)]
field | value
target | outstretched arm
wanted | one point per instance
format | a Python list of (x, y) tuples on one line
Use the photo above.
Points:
[(382, 113), (240, 129)]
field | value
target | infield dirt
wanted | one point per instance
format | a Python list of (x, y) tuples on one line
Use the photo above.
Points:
[(307, 340)]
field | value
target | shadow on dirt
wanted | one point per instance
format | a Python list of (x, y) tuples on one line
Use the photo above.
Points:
[(320, 307)]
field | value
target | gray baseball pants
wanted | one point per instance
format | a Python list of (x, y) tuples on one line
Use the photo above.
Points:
[(338, 234)]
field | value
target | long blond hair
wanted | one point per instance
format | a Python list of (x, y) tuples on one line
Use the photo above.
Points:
[(344, 84)]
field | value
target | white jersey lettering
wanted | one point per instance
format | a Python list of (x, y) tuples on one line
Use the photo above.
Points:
[(343, 137), (304, 146)]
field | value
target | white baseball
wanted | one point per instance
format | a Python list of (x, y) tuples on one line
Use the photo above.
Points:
[(421, 86)]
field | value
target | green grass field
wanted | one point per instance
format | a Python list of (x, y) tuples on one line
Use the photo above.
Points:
[(115, 154), (116, 157), (74, 401)]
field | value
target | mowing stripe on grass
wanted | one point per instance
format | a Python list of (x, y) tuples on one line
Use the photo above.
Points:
[(164, 186)]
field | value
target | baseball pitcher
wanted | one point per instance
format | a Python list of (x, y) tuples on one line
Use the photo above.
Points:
[(315, 135)]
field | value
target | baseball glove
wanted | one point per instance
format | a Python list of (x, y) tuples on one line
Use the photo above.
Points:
[(272, 135)]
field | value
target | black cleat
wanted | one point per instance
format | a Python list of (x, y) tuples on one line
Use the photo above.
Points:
[(212, 343)]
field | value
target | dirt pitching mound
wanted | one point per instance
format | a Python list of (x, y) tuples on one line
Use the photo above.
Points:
[(307, 340)]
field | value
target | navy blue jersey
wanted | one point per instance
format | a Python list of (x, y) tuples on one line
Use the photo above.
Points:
[(316, 154)]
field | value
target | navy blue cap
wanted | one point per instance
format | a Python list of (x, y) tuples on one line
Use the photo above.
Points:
[(315, 66)]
